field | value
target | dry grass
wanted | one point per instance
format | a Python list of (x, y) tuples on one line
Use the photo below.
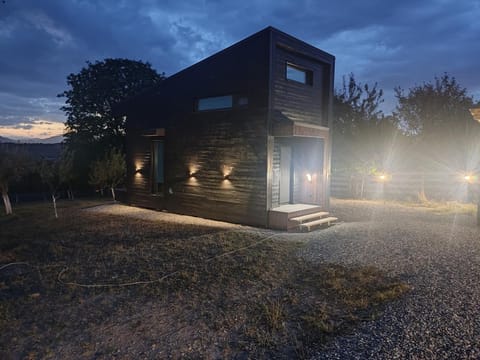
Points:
[(449, 207), (262, 301)]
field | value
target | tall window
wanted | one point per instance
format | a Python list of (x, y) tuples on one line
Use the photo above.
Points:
[(298, 74), (215, 103), (158, 166)]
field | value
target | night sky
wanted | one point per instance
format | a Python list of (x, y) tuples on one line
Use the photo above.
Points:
[(394, 43)]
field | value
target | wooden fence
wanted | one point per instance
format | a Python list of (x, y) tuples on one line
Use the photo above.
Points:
[(404, 186)]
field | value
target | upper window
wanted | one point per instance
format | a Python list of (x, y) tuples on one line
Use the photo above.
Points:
[(298, 74), (215, 103)]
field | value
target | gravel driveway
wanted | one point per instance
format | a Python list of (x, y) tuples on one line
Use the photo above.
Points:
[(438, 255)]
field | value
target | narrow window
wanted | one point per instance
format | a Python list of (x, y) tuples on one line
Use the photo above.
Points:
[(215, 103), (158, 166), (299, 75)]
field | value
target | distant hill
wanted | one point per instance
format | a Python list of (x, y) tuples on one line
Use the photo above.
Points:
[(51, 140), (5, 140), (36, 151)]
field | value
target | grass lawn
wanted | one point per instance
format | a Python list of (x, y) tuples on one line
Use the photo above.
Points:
[(100, 286)]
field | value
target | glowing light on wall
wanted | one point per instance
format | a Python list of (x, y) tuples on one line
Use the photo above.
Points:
[(227, 172), (138, 169), (309, 177)]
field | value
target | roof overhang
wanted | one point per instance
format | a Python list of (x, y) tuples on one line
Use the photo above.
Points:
[(292, 128), (475, 113), (154, 132)]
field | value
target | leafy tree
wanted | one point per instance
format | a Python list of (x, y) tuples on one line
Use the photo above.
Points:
[(92, 124), (436, 116), (356, 105), (109, 171), (430, 109), (359, 131), (13, 165)]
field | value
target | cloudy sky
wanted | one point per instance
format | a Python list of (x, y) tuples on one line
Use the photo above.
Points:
[(394, 43)]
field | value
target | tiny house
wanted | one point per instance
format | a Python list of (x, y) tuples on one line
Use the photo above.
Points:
[(241, 136)]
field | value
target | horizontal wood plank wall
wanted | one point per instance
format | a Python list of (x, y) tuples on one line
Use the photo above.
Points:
[(210, 143), (139, 184), (221, 144), (294, 100)]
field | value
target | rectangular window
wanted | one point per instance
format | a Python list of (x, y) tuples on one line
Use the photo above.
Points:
[(158, 166), (215, 103), (299, 75)]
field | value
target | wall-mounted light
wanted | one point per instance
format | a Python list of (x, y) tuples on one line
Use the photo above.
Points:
[(138, 171), (309, 177), (227, 172)]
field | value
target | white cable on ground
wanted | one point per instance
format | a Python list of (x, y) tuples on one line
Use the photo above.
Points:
[(60, 274)]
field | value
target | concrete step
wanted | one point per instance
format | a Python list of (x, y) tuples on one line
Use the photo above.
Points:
[(309, 226), (305, 218)]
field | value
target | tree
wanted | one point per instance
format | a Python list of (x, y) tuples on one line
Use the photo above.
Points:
[(50, 174), (92, 124), (109, 171), (433, 108), (436, 116), (356, 105), (13, 165), (66, 172), (359, 131)]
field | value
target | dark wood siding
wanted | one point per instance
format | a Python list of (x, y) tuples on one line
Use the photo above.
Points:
[(293, 100), (293, 103), (217, 144), (208, 143), (139, 171)]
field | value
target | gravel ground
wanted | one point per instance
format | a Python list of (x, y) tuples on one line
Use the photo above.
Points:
[(438, 255)]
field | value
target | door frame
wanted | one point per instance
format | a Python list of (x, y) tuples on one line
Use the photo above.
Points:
[(284, 166)]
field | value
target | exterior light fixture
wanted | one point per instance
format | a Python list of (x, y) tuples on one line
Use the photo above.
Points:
[(469, 178), (227, 171), (309, 177), (138, 171), (383, 177)]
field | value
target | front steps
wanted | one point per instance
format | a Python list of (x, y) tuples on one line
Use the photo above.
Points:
[(299, 217), (313, 221)]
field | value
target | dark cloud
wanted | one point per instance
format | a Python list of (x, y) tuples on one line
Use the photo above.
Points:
[(393, 43)]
